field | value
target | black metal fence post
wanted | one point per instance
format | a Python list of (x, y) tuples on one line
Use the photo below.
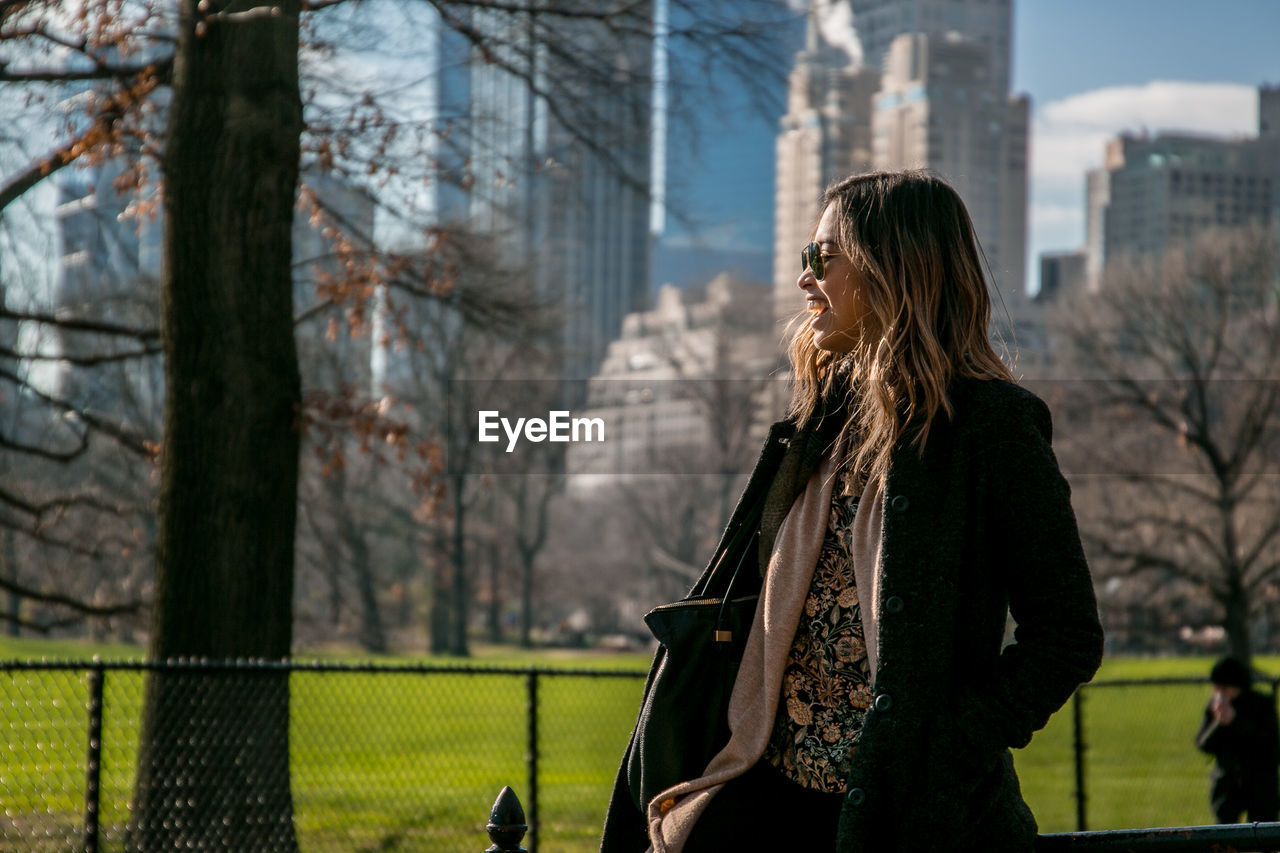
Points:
[(533, 759), (1077, 720), (93, 760), (506, 824)]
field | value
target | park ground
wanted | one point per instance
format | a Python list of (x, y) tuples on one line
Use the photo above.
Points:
[(412, 761)]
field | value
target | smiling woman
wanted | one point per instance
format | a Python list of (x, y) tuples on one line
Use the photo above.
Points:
[(834, 290), (908, 502)]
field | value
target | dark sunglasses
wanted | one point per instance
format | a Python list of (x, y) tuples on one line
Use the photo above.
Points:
[(811, 258)]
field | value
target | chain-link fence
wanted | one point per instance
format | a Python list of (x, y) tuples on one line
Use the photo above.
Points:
[(1132, 757), (319, 757), (379, 758)]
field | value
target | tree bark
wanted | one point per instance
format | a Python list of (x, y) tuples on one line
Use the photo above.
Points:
[(439, 626), (493, 616), (344, 506), (13, 628), (213, 767), (526, 599), (373, 638), (1236, 618), (460, 592), (1235, 623)]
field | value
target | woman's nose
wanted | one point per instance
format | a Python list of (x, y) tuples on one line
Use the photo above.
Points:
[(806, 279)]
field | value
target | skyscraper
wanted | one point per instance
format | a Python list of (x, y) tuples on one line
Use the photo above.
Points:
[(825, 133), (939, 108), (1153, 193), (987, 22), (934, 94), (571, 202), (1269, 112)]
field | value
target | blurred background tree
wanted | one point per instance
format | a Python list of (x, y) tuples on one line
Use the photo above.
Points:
[(1176, 421), (202, 118)]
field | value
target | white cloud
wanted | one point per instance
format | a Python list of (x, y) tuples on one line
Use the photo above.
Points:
[(1069, 137), (1061, 154), (835, 20), (1047, 215), (836, 24), (1219, 108)]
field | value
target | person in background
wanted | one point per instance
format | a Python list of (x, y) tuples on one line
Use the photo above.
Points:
[(1241, 732)]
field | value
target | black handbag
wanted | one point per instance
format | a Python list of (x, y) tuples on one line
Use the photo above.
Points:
[(683, 719)]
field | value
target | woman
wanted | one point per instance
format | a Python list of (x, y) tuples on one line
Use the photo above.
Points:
[(916, 504)]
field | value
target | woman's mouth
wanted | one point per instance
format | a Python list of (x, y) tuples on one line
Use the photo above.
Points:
[(817, 307)]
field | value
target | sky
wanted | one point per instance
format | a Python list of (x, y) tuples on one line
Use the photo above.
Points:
[(1093, 68)]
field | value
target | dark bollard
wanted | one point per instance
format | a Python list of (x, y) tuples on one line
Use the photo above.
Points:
[(506, 825)]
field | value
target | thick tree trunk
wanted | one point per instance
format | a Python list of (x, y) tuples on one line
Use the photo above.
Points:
[(526, 598), (1236, 624), (461, 596), (493, 616), (213, 768), (13, 628), (1236, 602), (440, 610), (372, 637)]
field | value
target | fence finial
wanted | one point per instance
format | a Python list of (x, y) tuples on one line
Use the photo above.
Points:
[(506, 825)]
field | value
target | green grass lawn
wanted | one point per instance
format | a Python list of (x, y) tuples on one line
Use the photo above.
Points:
[(410, 761), (1141, 766)]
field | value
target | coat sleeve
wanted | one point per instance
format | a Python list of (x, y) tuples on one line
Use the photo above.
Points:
[(1209, 738), (1035, 550)]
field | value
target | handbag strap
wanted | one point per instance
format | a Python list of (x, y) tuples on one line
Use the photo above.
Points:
[(723, 633), (750, 526)]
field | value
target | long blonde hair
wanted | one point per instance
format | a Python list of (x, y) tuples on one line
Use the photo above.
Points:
[(911, 238)]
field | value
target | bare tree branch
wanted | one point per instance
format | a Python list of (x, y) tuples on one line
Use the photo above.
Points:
[(77, 324), (82, 360), (1186, 347), (133, 92), (101, 71), (84, 608), (66, 546), (122, 436), (44, 452), (42, 508), (1134, 561), (1268, 535)]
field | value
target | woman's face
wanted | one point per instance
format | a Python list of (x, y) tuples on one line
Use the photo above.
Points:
[(838, 302)]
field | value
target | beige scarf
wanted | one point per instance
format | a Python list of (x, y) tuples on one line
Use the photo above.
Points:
[(753, 703)]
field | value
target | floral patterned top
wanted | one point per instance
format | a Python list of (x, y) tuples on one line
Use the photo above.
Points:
[(826, 684)]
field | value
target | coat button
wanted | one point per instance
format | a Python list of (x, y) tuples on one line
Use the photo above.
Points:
[(899, 503), (893, 604), (883, 702), (856, 796)]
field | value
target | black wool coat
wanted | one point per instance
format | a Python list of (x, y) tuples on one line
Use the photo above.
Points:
[(980, 526)]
